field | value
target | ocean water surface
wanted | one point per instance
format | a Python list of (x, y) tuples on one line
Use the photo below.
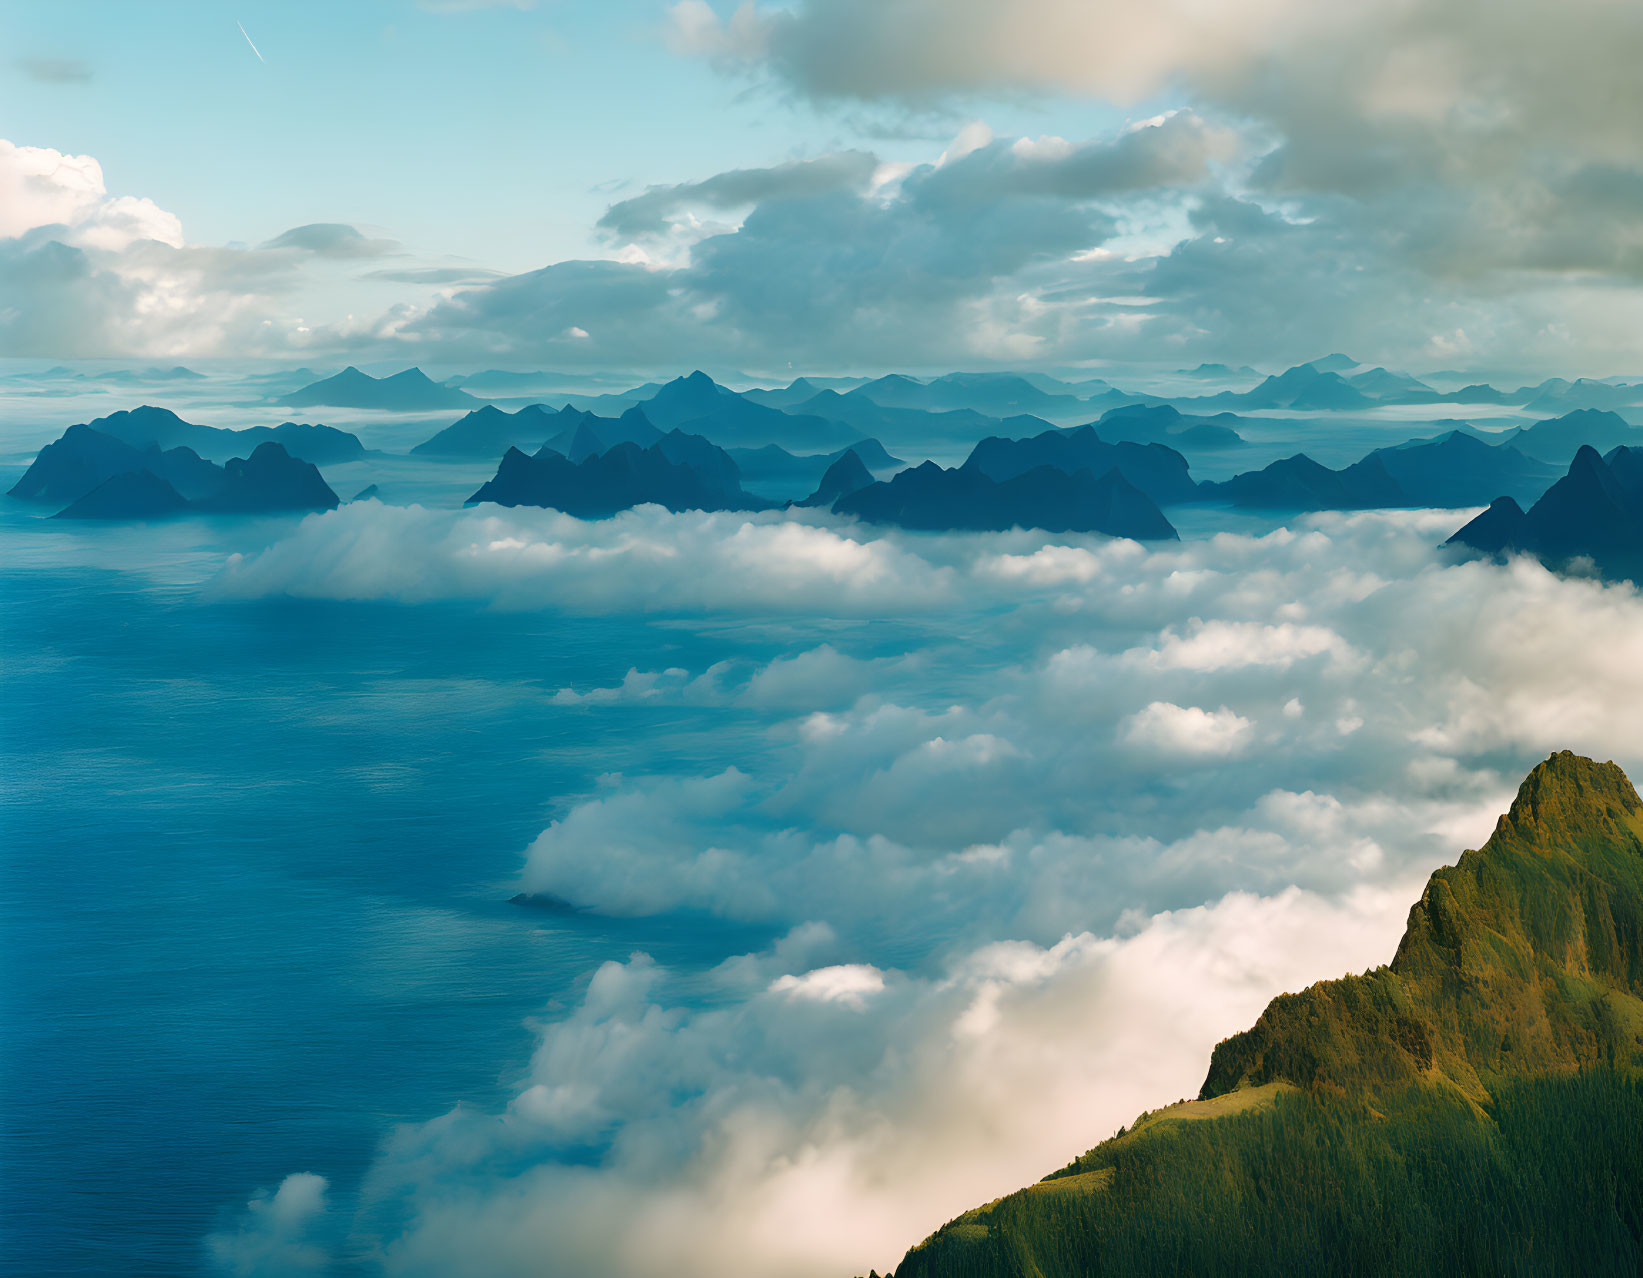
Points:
[(256, 869)]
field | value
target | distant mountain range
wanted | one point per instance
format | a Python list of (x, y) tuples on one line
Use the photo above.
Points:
[(775, 463), (161, 428), (1475, 1107), (1594, 515), (1159, 472), (967, 499), (124, 376), (408, 391), (679, 472), (99, 476), (488, 432), (1166, 424), (1559, 439), (1456, 469)]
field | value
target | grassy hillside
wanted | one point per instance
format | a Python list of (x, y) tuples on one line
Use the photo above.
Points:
[(1476, 1107)]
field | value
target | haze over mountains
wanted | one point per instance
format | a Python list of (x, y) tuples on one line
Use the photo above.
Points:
[(1018, 465)]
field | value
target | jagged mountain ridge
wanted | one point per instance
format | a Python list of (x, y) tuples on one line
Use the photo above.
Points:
[(1592, 516)]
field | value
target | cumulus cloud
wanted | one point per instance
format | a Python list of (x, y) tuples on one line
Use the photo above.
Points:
[(821, 1125), (1465, 162), (527, 558), (853, 261), (1189, 731), (1035, 820), (647, 214), (276, 1236)]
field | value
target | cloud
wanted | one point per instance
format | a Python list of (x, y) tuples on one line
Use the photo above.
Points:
[(276, 1235), (1187, 730), (331, 239), (85, 273), (823, 1124), (55, 70), (848, 259), (647, 214), (525, 558), (1420, 168), (435, 275), (1001, 927), (40, 187)]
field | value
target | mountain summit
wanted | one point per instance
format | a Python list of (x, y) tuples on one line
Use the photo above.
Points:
[(1474, 1107)]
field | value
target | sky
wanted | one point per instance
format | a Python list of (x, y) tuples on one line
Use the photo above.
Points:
[(830, 185)]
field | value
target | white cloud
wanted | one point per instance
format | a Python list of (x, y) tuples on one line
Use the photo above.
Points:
[(275, 1236), (851, 984), (528, 557), (1229, 645), (1188, 730), (1008, 924)]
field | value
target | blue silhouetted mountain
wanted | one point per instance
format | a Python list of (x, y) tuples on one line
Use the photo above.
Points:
[(847, 475), (615, 480), (176, 373), (1158, 471), (82, 458), (1335, 363), (148, 424), (992, 394), (898, 425), (1476, 393), (929, 498), (1558, 439), (161, 428), (132, 494), (309, 441), (498, 379), (1165, 424), (270, 479), (1002, 395), (701, 406), (773, 462), (712, 463), (408, 391), (1299, 483), (795, 392), (1559, 396), (1219, 372), (1459, 469), (101, 477), (1382, 383), (73, 464), (583, 434), (368, 493), (1496, 531), (1306, 388), (1594, 513), (490, 431)]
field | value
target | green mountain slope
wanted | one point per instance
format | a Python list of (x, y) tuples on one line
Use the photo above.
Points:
[(1476, 1107)]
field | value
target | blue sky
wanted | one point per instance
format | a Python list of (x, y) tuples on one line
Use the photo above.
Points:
[(485, 131), (848, 185)]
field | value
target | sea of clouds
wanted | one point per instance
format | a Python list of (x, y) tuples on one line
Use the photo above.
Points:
[(1037, 820)]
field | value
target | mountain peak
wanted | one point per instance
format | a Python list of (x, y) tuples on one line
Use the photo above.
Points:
[(1570, 796)]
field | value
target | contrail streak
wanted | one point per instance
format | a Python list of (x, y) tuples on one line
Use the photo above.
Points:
[(252, 43)]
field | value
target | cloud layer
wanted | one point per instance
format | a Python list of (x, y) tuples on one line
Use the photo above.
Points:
[(1028, 858)]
